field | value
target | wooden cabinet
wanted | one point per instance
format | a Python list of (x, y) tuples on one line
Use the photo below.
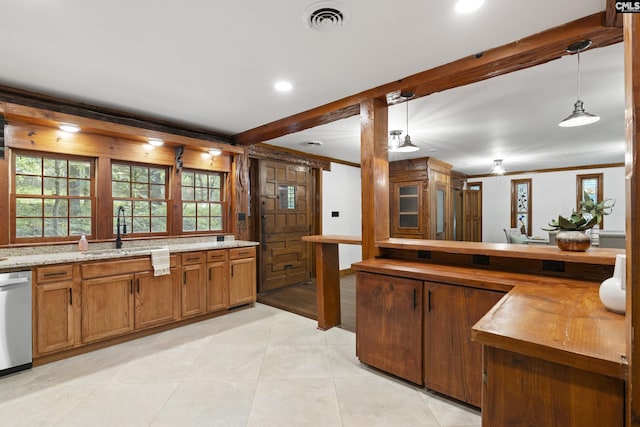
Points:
[(217, 280), (56, 305), (389, 324), (421, 205), (157, 298), (520, 387), (194, 284), (242, 276), (107, 307), (452, 362)]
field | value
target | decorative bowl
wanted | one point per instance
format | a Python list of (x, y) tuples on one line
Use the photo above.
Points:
[(576, 241)]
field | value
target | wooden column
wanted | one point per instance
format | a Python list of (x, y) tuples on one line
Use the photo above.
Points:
[(632, 169), (374, 162), (240, 196)]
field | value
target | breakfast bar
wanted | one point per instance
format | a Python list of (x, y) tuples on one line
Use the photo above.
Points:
[(517, 330)]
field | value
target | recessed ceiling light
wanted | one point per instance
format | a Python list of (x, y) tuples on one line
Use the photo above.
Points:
[(69, 127), (312, 143), (215, 151), (283, 86), (466, 6), (156, 142)]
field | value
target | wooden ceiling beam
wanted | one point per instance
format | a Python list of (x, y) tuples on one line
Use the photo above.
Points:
[(527, 52)]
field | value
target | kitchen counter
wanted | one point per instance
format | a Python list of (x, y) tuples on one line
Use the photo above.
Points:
[(28, 257)]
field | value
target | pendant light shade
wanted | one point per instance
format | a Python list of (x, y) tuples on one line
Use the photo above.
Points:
[(407, 146), (579, 117), (394, 140)]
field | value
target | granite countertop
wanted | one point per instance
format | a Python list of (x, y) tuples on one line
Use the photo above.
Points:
[(37, 256)]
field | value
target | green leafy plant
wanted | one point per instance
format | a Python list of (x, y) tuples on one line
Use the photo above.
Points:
[(577, 221), (596, 210)]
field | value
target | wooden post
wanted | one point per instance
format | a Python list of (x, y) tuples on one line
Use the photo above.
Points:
[(632, 169), (374, 161)]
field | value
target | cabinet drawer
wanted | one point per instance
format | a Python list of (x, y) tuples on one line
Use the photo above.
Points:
[(57, 273), (248, 252), (193, 258), (217, 255), (123, 266)]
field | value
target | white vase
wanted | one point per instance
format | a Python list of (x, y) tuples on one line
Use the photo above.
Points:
[(613, 292)]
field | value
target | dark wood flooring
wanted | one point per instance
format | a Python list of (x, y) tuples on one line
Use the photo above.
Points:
[(301, 299)]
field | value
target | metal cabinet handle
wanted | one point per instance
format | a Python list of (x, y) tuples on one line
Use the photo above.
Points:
[(415, 298), (138, 285), (131, 286), (429, 301), (70, 296)]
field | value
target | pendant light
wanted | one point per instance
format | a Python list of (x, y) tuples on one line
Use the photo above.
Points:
[(579, 117), (395, 141), (407, 146)]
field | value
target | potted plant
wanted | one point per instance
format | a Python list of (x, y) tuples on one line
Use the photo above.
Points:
[(571, 234)]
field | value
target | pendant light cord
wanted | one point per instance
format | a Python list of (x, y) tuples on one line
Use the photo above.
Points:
[(578, 79), (407, 102)]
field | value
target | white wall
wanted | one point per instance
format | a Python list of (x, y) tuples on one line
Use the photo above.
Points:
[(341, 193), (553, 193)]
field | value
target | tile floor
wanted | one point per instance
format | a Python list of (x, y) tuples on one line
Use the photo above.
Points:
[(255, 367)]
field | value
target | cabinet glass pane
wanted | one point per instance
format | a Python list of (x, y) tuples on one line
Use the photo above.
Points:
[(439, 211), (409, 190), (408, 221), (409, 204)]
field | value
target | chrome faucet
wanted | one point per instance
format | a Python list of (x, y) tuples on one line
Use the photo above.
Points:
[(124, 227)]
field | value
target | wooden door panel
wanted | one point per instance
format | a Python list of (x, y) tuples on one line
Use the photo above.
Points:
[(107, 307), (285, 218)]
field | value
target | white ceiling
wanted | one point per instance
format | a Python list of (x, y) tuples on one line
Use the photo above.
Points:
[(212, 64)]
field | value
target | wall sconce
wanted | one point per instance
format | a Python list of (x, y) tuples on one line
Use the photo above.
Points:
[(156, 142)]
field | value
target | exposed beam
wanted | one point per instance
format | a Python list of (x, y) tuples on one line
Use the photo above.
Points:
[(527, 52), (66, 106)]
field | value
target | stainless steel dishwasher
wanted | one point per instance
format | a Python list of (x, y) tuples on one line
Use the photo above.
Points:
[(15, 322)]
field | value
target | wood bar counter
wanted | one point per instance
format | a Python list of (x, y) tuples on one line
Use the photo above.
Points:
[(523, 324), (328, 276)]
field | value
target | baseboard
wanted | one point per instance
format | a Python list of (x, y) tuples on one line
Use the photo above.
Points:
[(347, 271)]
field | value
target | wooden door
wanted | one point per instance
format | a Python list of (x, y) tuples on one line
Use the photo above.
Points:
[(472, 213), (242, 282), (218, 285), (194, 288), (54, 317), (407, 216), (107, 307), (285, 216), (389, 324), (157, 299), (452, 363), (441, 212)]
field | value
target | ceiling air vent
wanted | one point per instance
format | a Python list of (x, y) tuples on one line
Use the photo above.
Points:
[(325, 16)]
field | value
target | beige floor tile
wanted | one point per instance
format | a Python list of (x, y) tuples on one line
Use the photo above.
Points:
[(170, 365), (295, 403), (451, 414), (251, 333), (120, 405), (290, 329), (337, 336), (282, 362), (344, 362), (40, 405), (227, 363), (377, 401), (220, 403)]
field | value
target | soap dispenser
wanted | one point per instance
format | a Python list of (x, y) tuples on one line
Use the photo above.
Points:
[(83, 245)]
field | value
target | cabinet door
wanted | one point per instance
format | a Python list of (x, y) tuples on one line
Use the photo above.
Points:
[(107, 307), (194, 288), (156, 299), (54, 317), (242, 282), (407, 210), (217, 286), (453, 363), (389, 324)]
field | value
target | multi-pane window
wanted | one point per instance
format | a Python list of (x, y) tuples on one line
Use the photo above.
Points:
[(202, 200), (142, 192), (53, 196), (591, 185)]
